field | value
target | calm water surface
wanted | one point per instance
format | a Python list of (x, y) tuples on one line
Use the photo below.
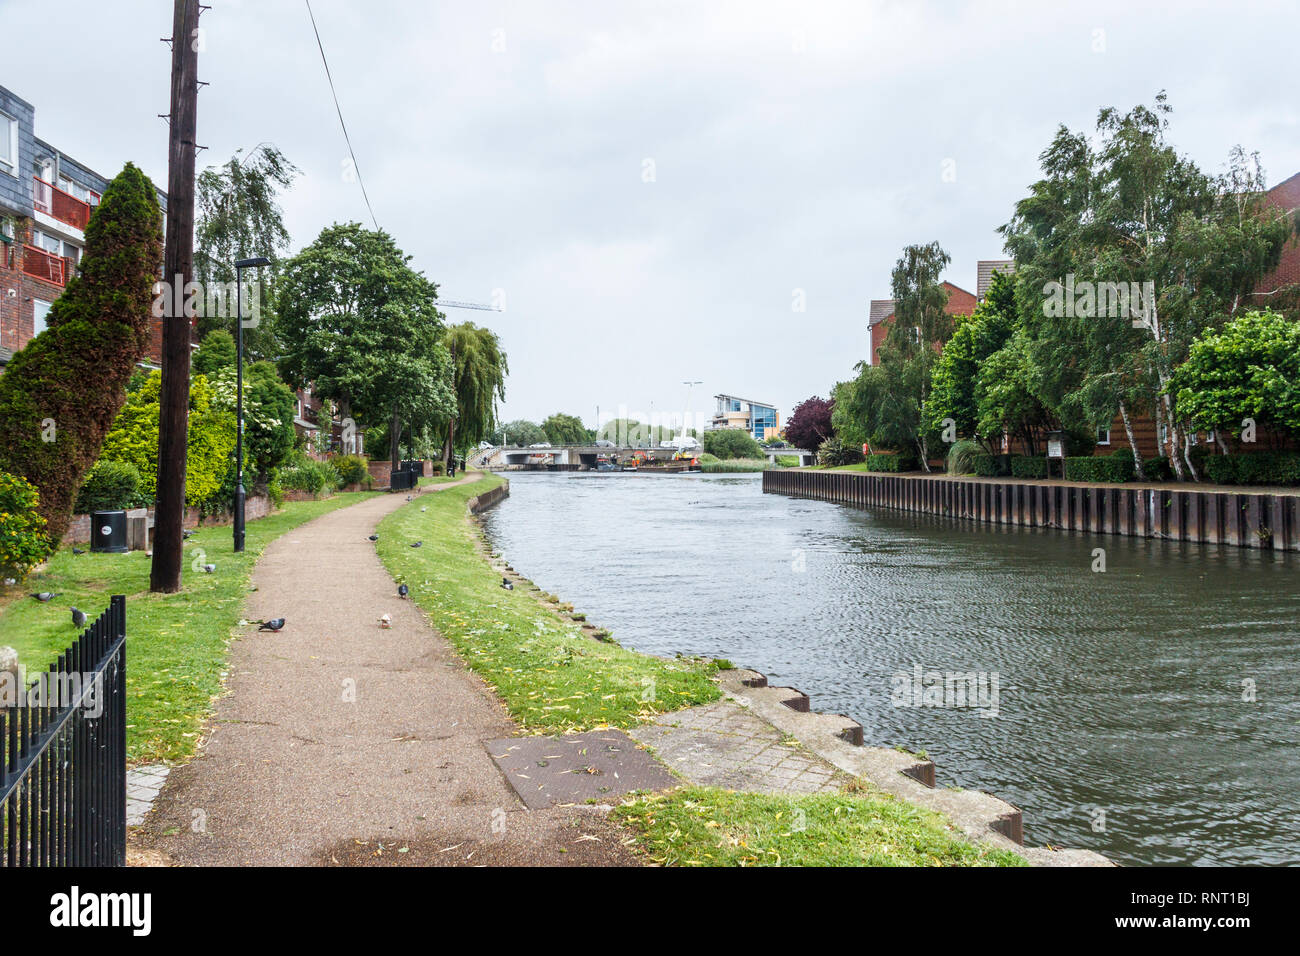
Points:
[(1118, 693)]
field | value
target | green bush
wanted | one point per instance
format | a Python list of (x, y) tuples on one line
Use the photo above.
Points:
[(1028, 466), (109, 486), (787, 461), (1252, 468), (961, 457), (23, 541), (832, 453), (352, 469), (1158, 469), (890, 463), (731, 443), (1097, 468), (438, 468), (985, 466), (306, 474)]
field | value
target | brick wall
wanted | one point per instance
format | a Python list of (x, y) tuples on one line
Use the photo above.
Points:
[(256, 506)]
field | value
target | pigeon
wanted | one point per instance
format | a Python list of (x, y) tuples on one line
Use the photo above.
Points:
[(417, 544), (187, 534), (386, 621), (403, 590), (77, 551), (45, 597), (505, 583), (410, 497), (425, 508), (272, 625), (209, 568), (373, 537), (79, 617)]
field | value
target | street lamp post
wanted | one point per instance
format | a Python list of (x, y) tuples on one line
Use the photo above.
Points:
[(240, 495)]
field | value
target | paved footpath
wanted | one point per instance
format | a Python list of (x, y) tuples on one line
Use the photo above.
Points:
[(294, 774)]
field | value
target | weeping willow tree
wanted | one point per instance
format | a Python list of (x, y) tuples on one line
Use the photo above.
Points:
[(479, 372)]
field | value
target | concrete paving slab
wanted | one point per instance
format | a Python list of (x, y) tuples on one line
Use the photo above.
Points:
[(597, 765)]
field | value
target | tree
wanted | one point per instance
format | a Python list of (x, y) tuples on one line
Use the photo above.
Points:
[(1247, 372), (215, 352), (731, 443), (1005, 398), (269, 407), (479, 372), (564, 429), (60, 394), (357, 321), (908, 353), (810, 423), (239, 216), (520, 433)]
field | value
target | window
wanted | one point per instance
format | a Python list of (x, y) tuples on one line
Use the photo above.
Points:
[(50, 244), (1103, 435), (40, 309), (8, 144)]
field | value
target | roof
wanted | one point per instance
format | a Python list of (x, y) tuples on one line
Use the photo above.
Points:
[(748, 401), (881, 309), (986, 269)]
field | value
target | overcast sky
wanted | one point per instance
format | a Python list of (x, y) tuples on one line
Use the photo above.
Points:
[(790, 147)]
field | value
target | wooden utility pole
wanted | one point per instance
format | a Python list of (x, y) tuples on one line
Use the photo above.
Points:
[(178, 271)]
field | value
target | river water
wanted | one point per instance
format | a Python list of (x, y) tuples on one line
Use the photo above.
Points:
[(1122, 722)]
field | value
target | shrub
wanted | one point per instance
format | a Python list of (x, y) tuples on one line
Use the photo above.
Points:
[(1028, 466), (23, 540), (1159, 469), (109, 486), (730, 465), (1113, 468), (787, 461), (438, 468), (731, 443), (306, 474), (352, 469), (832, 453), (986, 466), (891, 463), (1219, 470), (961, 457), (60, 393), (1252, 468)]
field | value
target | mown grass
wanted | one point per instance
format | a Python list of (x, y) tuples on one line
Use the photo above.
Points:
[(176, 645), (552, 678), (706, 826)]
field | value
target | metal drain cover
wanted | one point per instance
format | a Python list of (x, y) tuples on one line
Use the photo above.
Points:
[(598, 765)]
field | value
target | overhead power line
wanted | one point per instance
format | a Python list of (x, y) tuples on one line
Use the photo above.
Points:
[(355, 165)]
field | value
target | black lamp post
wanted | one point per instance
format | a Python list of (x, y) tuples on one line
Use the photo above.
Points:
[(240, 495)]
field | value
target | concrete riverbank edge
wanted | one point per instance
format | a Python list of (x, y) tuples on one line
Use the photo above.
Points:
[(1245, 519), (825, 747)]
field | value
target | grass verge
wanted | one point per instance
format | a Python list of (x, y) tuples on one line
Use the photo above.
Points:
[(176, 643), (705, 826), (730, 465), (551, 677)]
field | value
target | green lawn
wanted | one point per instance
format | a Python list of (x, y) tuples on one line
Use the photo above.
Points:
[(705, 826), (552, 678), (176, 643)]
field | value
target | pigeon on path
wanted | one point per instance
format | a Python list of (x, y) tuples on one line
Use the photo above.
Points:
[(79, 617), (403, 590), (272, 625), (45, 597), (373, 537), (386, 621)]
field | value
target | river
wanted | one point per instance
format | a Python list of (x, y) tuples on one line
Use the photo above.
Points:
[(1123, 720)]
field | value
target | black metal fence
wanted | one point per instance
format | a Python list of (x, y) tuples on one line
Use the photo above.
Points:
[(63, 755)]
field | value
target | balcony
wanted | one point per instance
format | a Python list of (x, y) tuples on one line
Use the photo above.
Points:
[(46, 265), (54, 202)]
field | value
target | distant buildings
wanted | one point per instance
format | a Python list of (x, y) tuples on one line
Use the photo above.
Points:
[(758, 419), (46, 199)]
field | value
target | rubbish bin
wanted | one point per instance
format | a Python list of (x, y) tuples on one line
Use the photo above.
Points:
[(401, 480), (108, 532)]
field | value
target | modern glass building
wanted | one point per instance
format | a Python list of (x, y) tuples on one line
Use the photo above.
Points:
[(759, 419)]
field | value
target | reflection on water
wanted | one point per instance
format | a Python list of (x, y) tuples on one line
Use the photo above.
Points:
[(1120, 721)]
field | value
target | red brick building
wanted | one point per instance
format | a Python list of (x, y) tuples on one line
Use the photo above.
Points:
[(881, 318)]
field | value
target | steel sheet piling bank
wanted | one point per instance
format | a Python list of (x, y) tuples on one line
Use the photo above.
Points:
[(1243, 519)]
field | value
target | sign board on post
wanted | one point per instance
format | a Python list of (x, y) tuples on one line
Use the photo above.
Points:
[(1055, 451)]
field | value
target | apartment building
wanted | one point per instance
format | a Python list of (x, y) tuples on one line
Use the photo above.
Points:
[(760, 420), (46, 199)]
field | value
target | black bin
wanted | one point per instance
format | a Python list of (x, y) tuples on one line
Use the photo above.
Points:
[(108, 532), (401, 480)]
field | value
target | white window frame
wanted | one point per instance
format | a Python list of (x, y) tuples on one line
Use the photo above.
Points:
[(36, 303), (1100, 429), (9, 130)]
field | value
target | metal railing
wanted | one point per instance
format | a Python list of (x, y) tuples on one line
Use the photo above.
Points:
[(63, 206), (63, 754), (46, 265)]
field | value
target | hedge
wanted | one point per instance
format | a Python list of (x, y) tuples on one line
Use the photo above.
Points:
[(1025, 466), (892, 463), (1252, 468), (1113, 468), (109, 486)]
